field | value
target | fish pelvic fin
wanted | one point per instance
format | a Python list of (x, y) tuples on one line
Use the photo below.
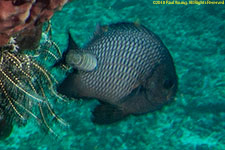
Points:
[(106, 114)]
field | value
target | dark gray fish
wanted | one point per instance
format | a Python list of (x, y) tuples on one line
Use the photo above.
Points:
[(134, 74)]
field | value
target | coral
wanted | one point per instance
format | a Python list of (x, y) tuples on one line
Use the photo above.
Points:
[(19, 15), (29, 38)]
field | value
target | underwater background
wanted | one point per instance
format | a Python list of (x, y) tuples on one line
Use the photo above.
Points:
[(195, 37)]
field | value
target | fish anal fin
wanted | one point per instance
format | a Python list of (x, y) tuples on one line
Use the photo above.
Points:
[(106, 113)]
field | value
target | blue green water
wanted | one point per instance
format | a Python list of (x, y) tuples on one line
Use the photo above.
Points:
[(195, 37)]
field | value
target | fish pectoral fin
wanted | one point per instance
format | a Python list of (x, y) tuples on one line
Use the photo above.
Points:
[(106, 113)]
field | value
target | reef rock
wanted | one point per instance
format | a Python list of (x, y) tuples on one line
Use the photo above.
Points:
[(19, 15)]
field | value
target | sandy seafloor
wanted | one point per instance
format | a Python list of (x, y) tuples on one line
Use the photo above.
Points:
[(195, 36)]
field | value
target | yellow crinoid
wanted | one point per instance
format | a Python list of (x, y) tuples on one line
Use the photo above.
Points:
[(25, 89)]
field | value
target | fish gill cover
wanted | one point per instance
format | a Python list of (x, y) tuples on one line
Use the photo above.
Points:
[(194, 33)]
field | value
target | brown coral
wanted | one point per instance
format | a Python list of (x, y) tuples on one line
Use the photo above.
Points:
[(18, 15)]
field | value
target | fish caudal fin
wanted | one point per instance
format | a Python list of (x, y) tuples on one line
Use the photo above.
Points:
[(107, 114), (71, 46)]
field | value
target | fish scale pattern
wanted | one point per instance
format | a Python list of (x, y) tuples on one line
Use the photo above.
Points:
[(126, 56)]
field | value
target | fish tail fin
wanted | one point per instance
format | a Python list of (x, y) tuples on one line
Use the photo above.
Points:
[(107, 114), (71, 46)]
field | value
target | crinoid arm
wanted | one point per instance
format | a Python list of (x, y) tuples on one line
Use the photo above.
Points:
[(26, 89)]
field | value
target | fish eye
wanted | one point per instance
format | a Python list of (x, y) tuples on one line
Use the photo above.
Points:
[(168, 83)]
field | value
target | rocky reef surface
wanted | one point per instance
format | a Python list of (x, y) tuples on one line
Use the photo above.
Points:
[(194, 34)]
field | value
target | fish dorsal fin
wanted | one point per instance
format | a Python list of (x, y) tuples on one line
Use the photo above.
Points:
[(120, 26), (98, 33), (109, 30), (137, 22), (99, 30)]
